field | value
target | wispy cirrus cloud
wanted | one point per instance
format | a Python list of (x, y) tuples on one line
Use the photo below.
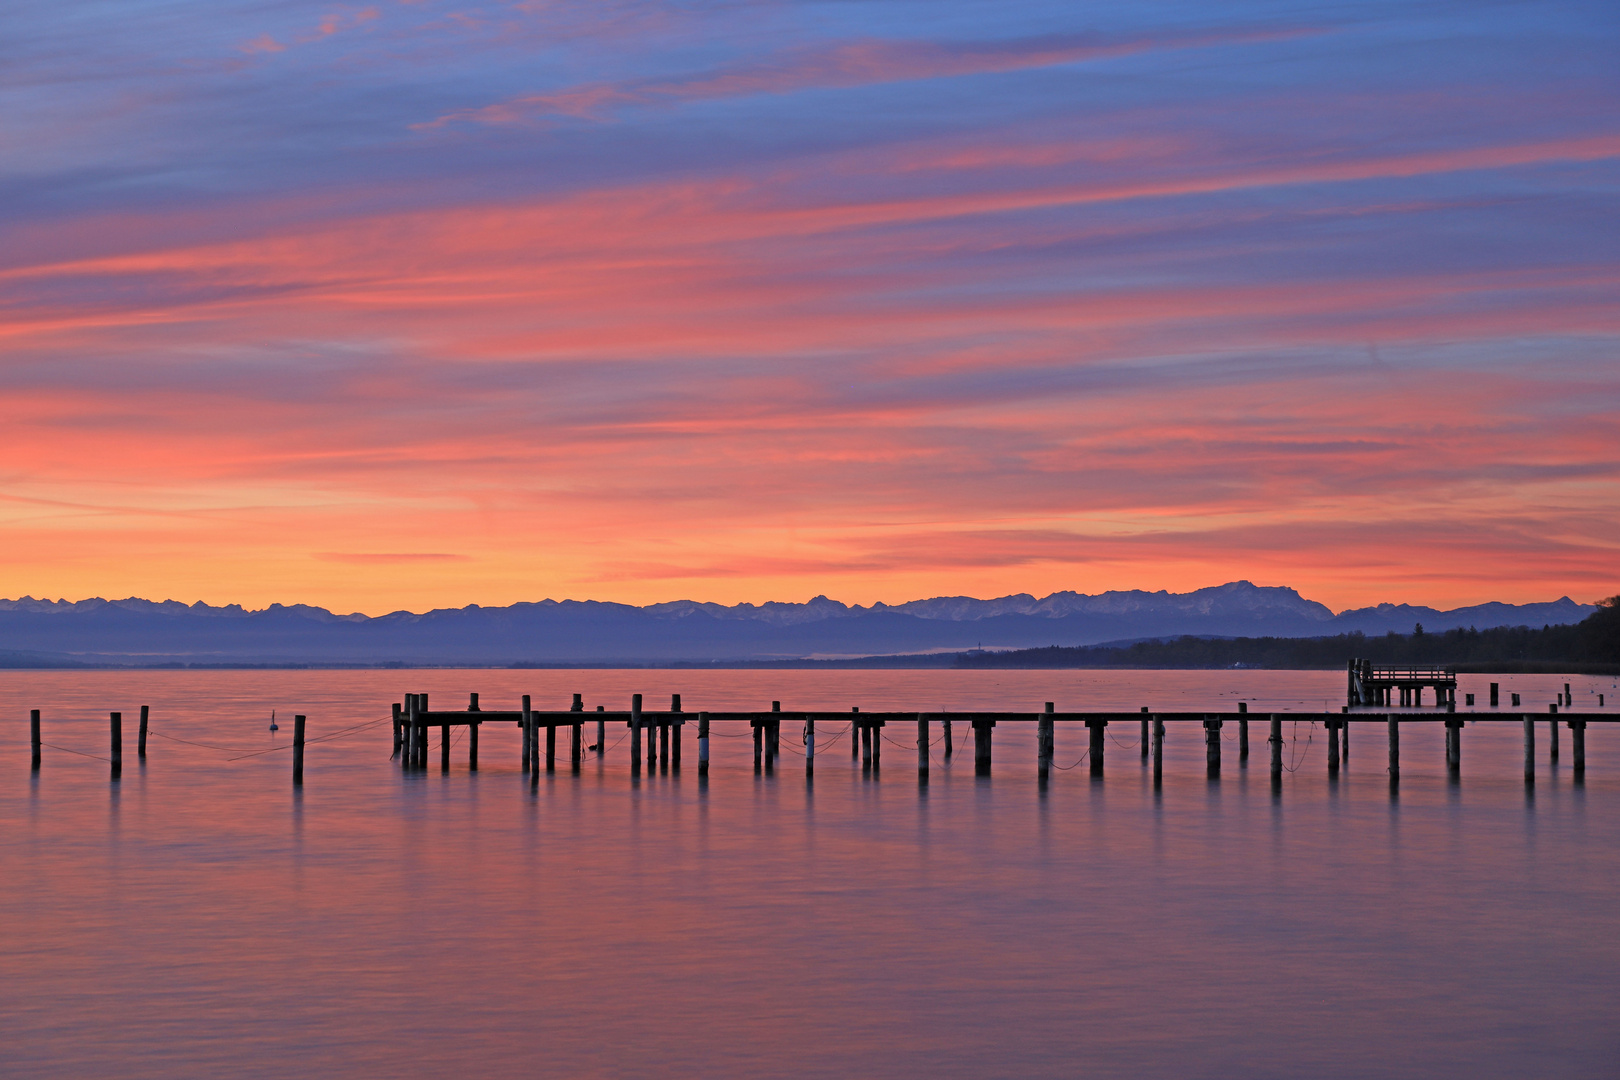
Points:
[(844, 64)]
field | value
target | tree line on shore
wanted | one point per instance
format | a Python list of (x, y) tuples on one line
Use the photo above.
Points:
[(1592, 644)]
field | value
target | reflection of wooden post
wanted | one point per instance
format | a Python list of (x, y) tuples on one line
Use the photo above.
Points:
[(116, 755), (298, 749)]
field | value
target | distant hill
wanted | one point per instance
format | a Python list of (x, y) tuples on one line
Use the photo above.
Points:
[(37, 633)]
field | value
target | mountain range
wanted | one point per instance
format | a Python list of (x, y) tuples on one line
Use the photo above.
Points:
[(147, 633)]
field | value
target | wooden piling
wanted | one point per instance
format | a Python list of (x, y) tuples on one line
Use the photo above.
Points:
[(922, 748), (407, 757), (422, 735), (1332, 726), (1158, 749), (140, 745), (663, 742), (675, 736), (854, 734), (116, 754), (1044, 741), (1493, 695), (1146, 738), (981, 746), (1094, 728), (1552, 737), (33, 737), (809, 746), (1243, 733), (866, 748), (1454, 759), (551, 747), (1275, 741), (876, 727), (601, 735), (398, 734), (635, 734), (1212, 746), (472, 746), (528, 734), (703, 744), (759, 744), (1577, 742), (298, 749), (1529, 750), (1394, 746), (472, 702), (1344, 741), (444, 747), (945, 723)]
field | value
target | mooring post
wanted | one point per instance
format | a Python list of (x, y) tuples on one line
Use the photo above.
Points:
[(444, 746), (981, 746), (809, 745), (472, 702), (116, 756), (1344, 740), (652, 745), (1394, 746), (1094, 727), (1552, 735), (759, 743), (922, 748), (528, 733), (33, 736), (140, 745), (298, 749), (677, 722), (1529, 750), (1158, 748), (396, 730), (1044, 741), (663, 742), (1146, 737), (635, 734), (945, 723), (407, 756), (1243, 732), (574, 739), (877, 744), (422, 735), (1274, 739), (703, 744), (472, 745), (1332, 725), (1454, 758), (1212, 745), (601, 734), (551, 746), (1577, 741), (854, 733), (866, 747)]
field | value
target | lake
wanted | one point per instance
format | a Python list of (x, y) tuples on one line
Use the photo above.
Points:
[(202, 918)]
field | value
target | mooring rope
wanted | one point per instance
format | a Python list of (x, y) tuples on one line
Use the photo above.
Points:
[(81, 753)]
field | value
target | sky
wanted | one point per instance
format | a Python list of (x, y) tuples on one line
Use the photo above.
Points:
[(411, 305)]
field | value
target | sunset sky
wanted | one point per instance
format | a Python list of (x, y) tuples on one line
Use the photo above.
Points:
[(411, 305)]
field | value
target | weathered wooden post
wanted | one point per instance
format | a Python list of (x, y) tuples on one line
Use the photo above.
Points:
[(945, 723), (1243, 732), (472, 745), (635, 734), (981, 746), (1394, 746), (1275, 741), (528, 734), (1146, 737), (33, 736), (116, 754), (551, 745), (759, 743), (1344, 740), (1552, 734), (703, 744), (397, 733), (663, 742), (1094, 727), (1332, 726), (809, 745), (866, 747), (922, 748), (1212, 746), (677, 722), (854, 734), (1577, 741), (421, 734), (298, 749), (140, 745), (652, 745), (876, 727), (601, 734), (1529, 750), (1044, 741), (574, 740), (1454, 759), (472, 702), (407, 756), (1158, 749)]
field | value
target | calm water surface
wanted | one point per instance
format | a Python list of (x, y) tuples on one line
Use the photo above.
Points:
[(200, 918)]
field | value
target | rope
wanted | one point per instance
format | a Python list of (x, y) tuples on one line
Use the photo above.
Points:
[(81, 753), (1076, 765)]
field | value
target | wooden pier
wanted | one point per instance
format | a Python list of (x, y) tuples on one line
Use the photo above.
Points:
[(654, 737), (1399, 687)]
